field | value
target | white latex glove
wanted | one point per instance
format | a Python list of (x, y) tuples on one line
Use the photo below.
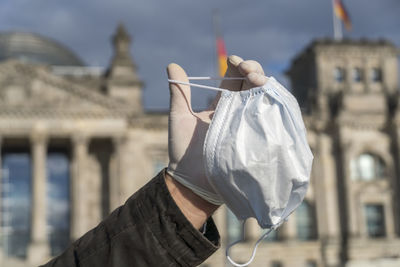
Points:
[(187, 129)]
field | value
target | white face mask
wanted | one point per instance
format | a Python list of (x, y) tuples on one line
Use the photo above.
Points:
[(256, 154)]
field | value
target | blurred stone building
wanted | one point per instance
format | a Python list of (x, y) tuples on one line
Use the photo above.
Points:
[(349, 95), (76, 143)]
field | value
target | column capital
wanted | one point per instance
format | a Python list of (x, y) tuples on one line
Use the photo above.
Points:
[(38, 138), (80, 138)]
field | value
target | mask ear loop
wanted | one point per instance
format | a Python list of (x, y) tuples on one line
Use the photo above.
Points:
[(214, 78), (253, 254), (206, 78), (263, 236)]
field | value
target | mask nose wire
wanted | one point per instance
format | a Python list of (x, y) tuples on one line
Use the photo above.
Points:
[(206, 78)]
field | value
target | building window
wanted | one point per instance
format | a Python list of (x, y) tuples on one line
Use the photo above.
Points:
[(16, 194), (58, 177), (311, 263), (357, 75), (234, 226), (376, 75), (375, 220), (367, 167), (339, 74), (276, 264), (306, 228)]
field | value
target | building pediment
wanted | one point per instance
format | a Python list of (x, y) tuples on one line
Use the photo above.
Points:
[(28, 90)]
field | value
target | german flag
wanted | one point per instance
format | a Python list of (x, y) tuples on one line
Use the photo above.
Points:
[(221, 54), (342, 13)]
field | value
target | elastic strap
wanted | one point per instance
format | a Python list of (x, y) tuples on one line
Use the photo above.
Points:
[(262, 237), (204, 230), (215, 78), (206, 78), (253, 254)]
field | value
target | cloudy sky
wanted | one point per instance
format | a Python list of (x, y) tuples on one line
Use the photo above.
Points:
[(181, 31)]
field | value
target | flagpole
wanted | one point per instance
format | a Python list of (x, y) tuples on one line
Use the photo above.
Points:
[(337, 25), (220, 45), (215, 20)]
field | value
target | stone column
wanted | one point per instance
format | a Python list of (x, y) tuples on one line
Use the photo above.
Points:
[(326, 200), (78, 189), (349, 206), (367, 75), (1, 192), (39, 250), (253, 230), (348, 82), (289, 229), (117, 175), (396, 173), (389, 217), (1, 179)]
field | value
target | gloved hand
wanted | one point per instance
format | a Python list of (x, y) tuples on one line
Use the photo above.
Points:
[(187, 129)]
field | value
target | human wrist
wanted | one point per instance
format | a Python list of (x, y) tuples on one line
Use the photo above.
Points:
[(196, 209)]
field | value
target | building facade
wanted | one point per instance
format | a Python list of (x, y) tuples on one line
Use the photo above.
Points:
[(76, 143)]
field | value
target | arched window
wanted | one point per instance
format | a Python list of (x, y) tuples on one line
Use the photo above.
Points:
[(58, 177), (306, 227), (367, 167)]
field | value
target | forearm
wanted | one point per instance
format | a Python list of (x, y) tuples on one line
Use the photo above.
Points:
[(195, 209)]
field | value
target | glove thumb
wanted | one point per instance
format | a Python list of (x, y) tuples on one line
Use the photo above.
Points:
[(180, 100)]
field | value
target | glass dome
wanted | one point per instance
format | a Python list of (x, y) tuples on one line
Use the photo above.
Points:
[(34, 48)]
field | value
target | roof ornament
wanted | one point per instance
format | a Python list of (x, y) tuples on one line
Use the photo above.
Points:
[(122, 42)]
